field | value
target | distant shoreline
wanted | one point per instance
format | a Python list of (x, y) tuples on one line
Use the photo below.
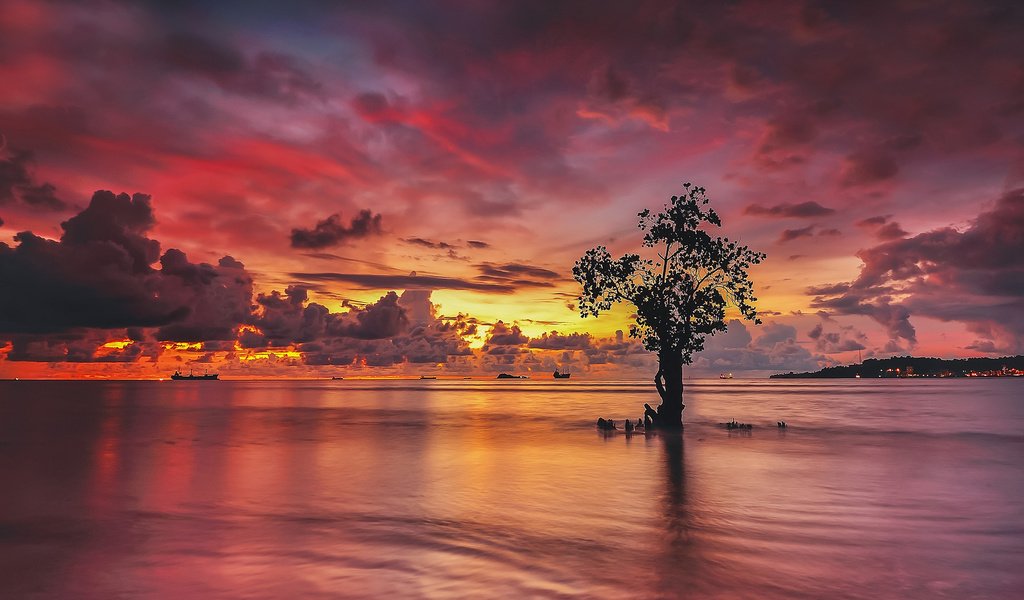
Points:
[(900, 367)]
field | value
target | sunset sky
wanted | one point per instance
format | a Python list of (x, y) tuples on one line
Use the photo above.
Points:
[(385, 188)]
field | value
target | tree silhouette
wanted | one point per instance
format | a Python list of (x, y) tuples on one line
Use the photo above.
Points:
[(681, 298)]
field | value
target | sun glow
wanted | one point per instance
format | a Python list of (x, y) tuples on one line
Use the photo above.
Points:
[(183, 346), (118, 344), (269, 354)]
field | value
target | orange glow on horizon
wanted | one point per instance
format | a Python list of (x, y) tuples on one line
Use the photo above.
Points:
[(118, 344), (268, 354), (195, 347)]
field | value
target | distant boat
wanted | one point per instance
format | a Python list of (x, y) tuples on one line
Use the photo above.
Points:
[(725, 376), (177, 376), (428, 377), (336, 378), (507, 376), (560, 375)]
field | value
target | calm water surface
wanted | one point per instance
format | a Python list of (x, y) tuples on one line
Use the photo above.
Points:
[(879, 489)]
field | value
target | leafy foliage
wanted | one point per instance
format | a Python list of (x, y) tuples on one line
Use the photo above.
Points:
[(681, 298)]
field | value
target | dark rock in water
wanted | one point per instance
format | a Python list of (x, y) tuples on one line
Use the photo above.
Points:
[(605, 424)]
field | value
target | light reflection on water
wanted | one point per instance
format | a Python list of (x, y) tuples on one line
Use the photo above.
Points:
[(879, 489)]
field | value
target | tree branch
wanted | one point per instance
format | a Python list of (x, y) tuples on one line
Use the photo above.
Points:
[(706, 275), (664, 260)]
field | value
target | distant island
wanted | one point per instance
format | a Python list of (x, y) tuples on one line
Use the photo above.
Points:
[(912, 366)]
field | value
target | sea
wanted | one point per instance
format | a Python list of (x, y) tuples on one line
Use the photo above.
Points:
[(895, 488)]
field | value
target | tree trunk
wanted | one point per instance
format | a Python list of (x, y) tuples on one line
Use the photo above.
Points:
[(670, 370)]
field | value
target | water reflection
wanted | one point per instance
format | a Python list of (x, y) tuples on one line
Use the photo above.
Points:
[(270, 490), (678, 568)]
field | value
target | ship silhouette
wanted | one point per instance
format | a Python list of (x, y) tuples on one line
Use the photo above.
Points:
[(177, 376)]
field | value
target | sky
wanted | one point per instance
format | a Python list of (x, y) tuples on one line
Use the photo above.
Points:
[(313, 189)]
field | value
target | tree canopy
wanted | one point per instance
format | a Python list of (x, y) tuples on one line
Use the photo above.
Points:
[(680, 298)]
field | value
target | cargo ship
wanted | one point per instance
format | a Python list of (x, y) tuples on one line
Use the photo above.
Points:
[(177, 376)]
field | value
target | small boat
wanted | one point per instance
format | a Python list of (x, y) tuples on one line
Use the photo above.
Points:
[(177, 376), (561, 374), (725, 376), (336, 378), (428, 377)]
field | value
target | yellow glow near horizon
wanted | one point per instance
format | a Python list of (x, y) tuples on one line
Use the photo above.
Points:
[(268, 354), (118, 344), (197, 346)]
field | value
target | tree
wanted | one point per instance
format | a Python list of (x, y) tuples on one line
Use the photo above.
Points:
[(680, 298)]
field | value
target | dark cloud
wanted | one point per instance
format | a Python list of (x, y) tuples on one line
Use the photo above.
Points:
[(17, 186), (192, 52), (884, 229), (774, 349), (516, 275), (873, 221), (972, 276), (557, 341), (219, 298), (830, 342), (495, 278), (789, 235), (82, 346), (331, 231), (285, 319), (477, 244), (865, 168), (801, 210), (505, 335), (618, 351), (787, 132), (375, 107), (371, 281), (385, 318), (890, 231), (392, 331), (773, 334), (987, 346), (515, 272), (415, 241), (609, 85), (267, 75), (613, 96), (100, 275), (42, 196)]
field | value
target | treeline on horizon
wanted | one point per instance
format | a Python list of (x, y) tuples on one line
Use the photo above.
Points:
[(921, 367)]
